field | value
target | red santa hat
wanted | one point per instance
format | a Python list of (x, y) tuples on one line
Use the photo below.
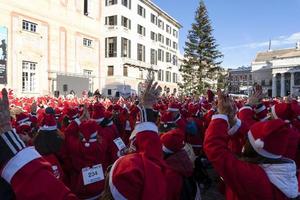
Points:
[(172, 141), (270, 138), (281, 111), (22, 117), (98, 112), (174, 107), (89, 132), (166, 118), (72, 113), (48, 123)]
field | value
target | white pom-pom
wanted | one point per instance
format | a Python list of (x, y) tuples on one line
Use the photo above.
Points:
[(165, 125), (86, 144), (259, 144)]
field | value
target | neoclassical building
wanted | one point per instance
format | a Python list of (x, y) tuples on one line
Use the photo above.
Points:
[(278, 71), (64, 45)]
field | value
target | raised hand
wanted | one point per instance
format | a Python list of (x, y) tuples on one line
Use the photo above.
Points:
[(256, 96), (5, 124), (151, 93), (226, 106)]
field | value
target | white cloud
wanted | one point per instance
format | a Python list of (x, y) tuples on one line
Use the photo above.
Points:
[(278, 41)]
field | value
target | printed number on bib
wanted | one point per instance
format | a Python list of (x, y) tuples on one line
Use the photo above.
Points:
[(93, 174), (120, 144)]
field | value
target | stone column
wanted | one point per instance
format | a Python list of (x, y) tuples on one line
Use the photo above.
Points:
[(282, 84), (274, 89), (292, 83)]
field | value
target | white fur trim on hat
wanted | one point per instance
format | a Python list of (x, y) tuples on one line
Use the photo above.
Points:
[(23, 120), (274, 112), (235, 128), (245, 108), (99, 120), (48, 128), (173, 109), (166, 150), (21, 159), (113, 189), (258, 146), (145, 126), (262, 108), (264, 119)]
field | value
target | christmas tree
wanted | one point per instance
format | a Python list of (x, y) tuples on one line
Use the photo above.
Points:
[(201, 54)]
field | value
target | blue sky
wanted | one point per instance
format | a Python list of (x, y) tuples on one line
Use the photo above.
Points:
[(242, 27)]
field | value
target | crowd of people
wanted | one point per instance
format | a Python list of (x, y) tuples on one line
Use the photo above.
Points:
[(150, 147)]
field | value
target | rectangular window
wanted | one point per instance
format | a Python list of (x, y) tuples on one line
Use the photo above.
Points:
[(175, 45), (141, 30), (153, 57), (87, 42), (153, 36), (175, 33), (159, 75), (125, 48), (141, 52), (160, 24), (153, 19), (168, 76), (29, 76), (109, 92), (168, 57), (126, 3), (29, 26), (110, 70), (175, 60), (141, 11), (161, 54), (174, 78), (111, 47), (111, 2), (125, 71), (111, 20), (168, 29), (126, 22), (168, 42), (161, 38)]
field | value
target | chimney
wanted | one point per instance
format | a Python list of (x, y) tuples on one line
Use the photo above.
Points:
[(270, 45), (298, 45)]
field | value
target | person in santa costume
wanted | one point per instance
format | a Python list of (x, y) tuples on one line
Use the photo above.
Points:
[(48, 142), (86, 150), (29, 175), (141, 175), (262, 172), (180, 167)]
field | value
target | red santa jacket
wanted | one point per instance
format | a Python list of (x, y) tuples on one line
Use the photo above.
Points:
[(55, 166), (31, 178), (244, 181), (83, 159)]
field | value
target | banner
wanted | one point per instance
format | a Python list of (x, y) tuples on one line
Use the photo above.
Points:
[(3, 55)]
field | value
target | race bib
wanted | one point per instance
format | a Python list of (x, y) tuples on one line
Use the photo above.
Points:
[(120, 144), (92, 175)]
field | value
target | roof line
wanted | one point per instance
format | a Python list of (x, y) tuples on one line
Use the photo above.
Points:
[(165, 14)]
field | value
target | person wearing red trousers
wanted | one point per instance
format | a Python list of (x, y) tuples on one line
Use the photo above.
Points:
[(29, 175), (261, 173)]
